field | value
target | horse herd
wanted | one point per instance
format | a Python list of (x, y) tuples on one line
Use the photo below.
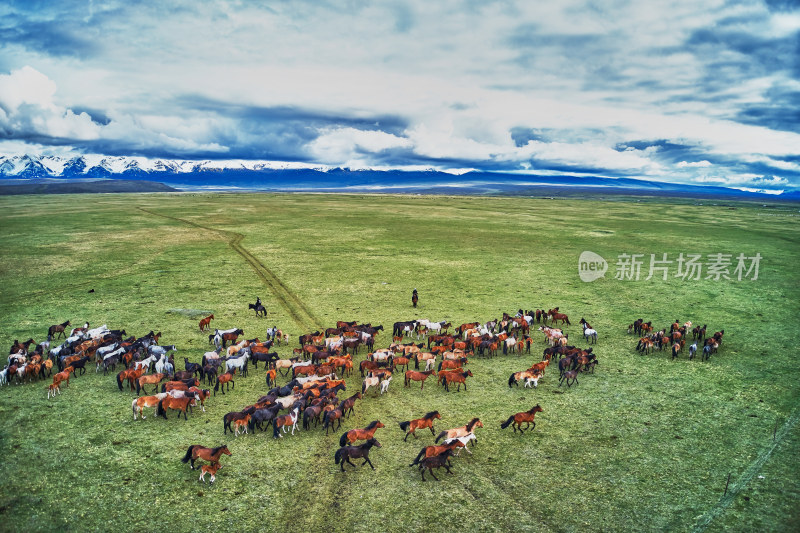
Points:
[(310, 398), (676, 339)]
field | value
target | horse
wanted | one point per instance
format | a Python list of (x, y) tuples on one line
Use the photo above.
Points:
[(225, 380), (241, 423), (413, 375), (692, 350), (231, 417), (516, 377), (259, 308), (460, 442), (567, 376), (411, 426), (456, 377), (178, 404), (212, 455), (436, 461), (526, 416), (152, 379), (53, 388), (284, 421), (205, 323), (237, 363), (141, 402), (57, 329), (349, 403), (80, 364), (349, 437), (460, 431), (194, 368), (211, 469), (590, 333), (331, 417), (145, 363), (555, 316), (345, 453)]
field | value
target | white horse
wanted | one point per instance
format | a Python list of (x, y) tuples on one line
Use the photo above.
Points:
[(97, 332), (462, 442), (144, 363), (239, 363), (385, 384), (4, 376), (161, 350), (163, 364), (589, 332)]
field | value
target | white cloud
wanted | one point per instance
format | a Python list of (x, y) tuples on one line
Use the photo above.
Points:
[(346, 146), (27, 109)]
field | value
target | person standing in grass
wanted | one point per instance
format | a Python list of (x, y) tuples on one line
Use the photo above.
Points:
[(414, 297)]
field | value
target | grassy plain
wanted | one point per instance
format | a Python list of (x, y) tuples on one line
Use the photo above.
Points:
[(645, 443)]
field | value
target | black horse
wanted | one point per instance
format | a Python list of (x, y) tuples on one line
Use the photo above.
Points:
[(437, 461), (259, 308), (194, 368), (345, 453)]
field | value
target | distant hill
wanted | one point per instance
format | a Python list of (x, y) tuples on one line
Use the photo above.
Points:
[(77, 187), (238, 175)]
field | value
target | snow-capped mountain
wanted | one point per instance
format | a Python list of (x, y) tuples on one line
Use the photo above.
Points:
[(93, 166), (292, 176)]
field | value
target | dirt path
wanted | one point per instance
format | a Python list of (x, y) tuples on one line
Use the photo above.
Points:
[(285, 297)]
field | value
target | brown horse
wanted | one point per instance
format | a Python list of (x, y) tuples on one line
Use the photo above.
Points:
[(204, 323), (225, 380), (178, 404), (57, 329), (212, 455), (367, 433), (349, 403), (141, 402), (526, 416), (209, 469), (239, 424), (420, 423), (456, 377), (413, 375), (331, 417), (151, 379)]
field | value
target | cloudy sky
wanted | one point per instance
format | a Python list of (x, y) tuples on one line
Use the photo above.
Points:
[(679, 90)]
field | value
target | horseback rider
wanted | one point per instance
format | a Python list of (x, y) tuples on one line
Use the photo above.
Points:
[(258, 302)]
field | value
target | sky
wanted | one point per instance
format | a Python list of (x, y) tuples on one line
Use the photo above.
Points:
[(706, 92)]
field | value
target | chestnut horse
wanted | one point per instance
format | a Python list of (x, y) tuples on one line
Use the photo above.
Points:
[(413, 375), (204, 323), (212, 455), (420, 423), (225, 380), (367, 433), (210, 469), (456, 377), (178, 404), (515, 421)]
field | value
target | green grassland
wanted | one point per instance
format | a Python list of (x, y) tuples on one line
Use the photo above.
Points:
[(644, 443)]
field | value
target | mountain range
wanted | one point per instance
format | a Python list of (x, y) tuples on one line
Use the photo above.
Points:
[(248, 175)]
